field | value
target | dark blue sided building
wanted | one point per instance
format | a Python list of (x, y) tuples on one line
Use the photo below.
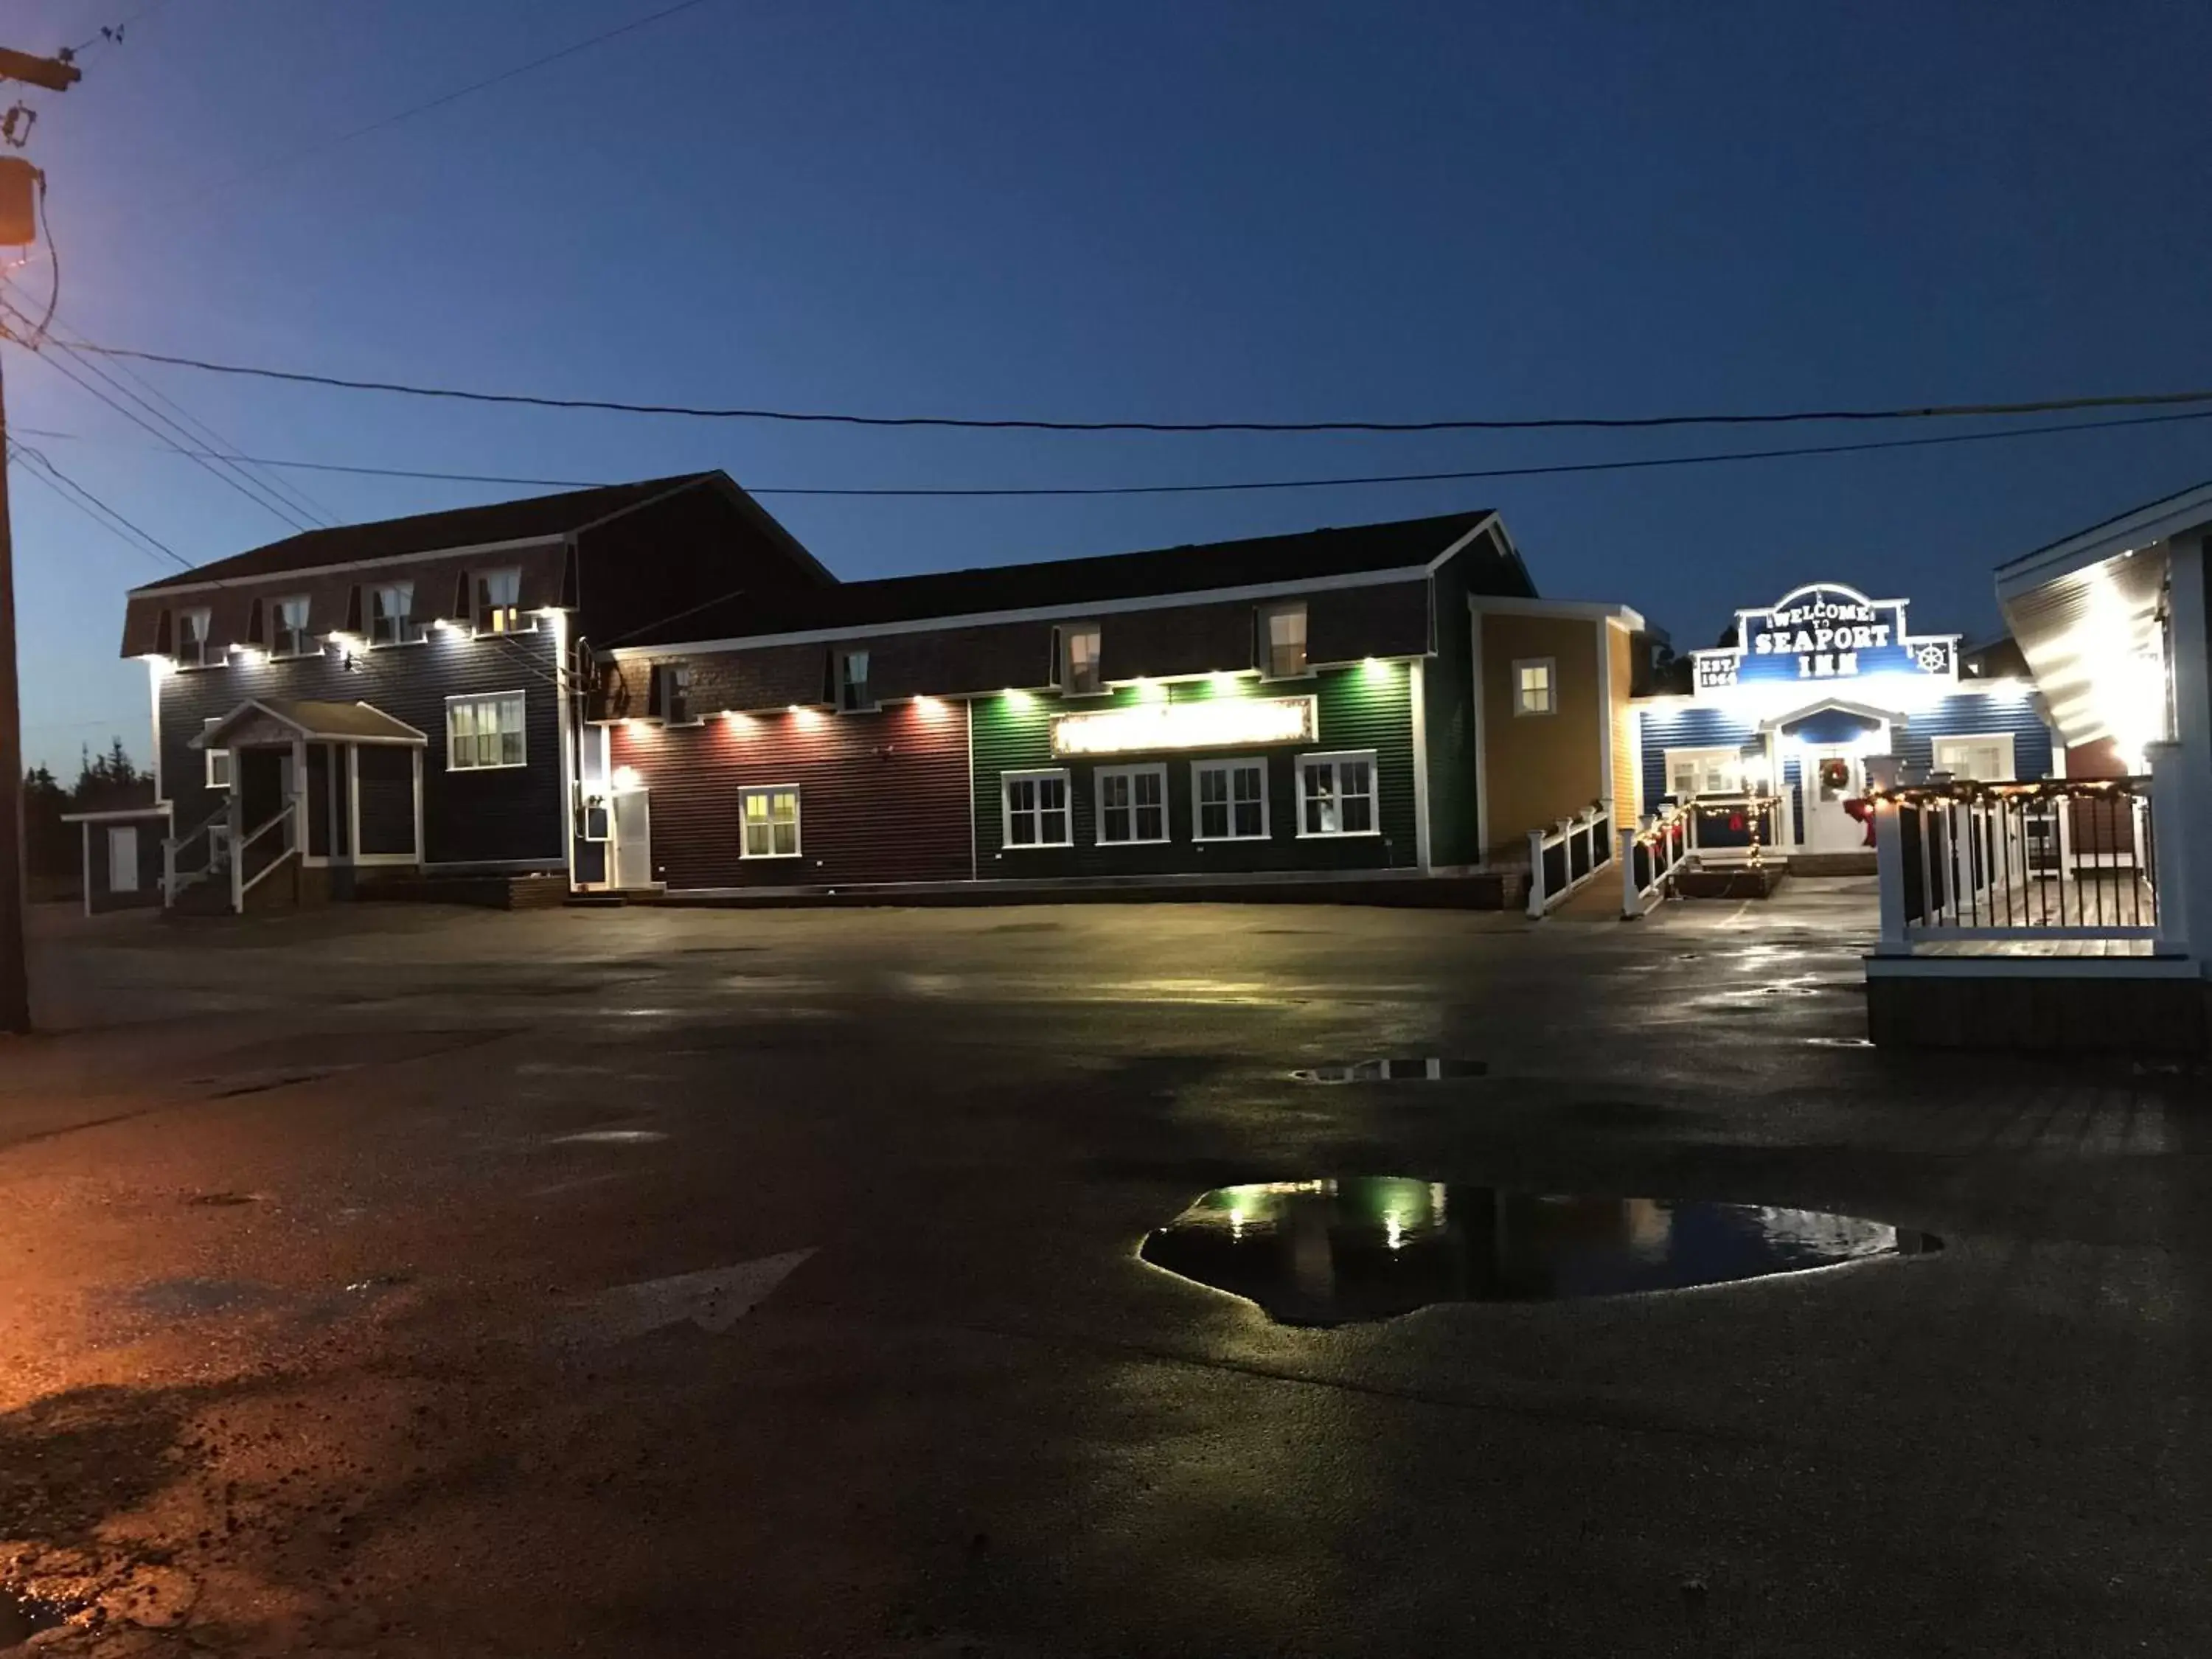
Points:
[(1812, 688)]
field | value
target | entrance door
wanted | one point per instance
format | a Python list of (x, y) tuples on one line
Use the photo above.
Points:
[(123, 858), (1831, 778), (633, 839)]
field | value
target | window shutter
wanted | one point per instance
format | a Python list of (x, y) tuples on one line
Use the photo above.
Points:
[(464, 612), (352, 617), (165, 636), (1052, 666), (256, 633)]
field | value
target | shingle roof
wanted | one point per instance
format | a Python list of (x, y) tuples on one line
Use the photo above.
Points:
[(1304, 555), (359, 722), (430, 533)]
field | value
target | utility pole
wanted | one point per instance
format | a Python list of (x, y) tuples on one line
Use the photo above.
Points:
[(16, 183)]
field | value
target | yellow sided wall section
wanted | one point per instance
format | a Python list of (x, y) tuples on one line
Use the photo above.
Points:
[(1538, 769), (1627, 730)]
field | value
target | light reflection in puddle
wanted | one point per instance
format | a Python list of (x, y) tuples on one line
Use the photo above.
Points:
[(1333, 1252), (1433, 1068), (608, 1138)]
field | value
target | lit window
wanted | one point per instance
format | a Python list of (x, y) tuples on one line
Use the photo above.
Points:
[(1285, 639), (218, 760), (1694, 772), (1533, 687), (1133, 804), (1231, 799), (1336, 794), (499, 601), (291, 637), (770, 817), (853, 698), (392, 615), (1078, 673), (1035, 809), (193, 627), (483, 733)]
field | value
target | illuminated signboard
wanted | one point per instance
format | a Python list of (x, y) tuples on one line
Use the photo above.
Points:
[(1825, 631), (1216, 723)]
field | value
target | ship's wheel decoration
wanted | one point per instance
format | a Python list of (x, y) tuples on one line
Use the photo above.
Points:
[(1934, 657)]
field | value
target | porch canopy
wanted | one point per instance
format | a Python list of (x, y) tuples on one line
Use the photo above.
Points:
[(261, 721)]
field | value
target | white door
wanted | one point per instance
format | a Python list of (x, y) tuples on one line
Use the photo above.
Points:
[(633, 839), (1831, 777), (122, 858)]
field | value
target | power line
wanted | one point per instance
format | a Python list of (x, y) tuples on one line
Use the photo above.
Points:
[(1332, 482), (196, 430), (454, 96), (55, 364), (92, 508), (1588, 422)]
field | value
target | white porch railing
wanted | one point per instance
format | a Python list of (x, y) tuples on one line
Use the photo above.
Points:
[(1649, 859), (1567, 855), (179, 870), (276, 840), (2071, 860)]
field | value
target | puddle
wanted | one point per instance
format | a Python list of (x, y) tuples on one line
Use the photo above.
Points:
[(1374, 1247), (608, 1138), (22, 1617), (1420, 1069), (1839, 1043)]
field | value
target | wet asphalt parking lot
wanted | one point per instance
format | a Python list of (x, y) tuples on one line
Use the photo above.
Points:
[(415, 1281)]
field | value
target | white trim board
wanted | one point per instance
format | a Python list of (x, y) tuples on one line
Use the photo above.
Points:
[(209, 584), (1570, 609), (1070, 612)]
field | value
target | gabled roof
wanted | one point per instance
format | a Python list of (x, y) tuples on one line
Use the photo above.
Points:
[(1411, 545), (536, 518), (318, 722)]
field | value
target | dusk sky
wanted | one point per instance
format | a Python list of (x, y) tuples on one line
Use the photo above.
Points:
[(1183, 211)]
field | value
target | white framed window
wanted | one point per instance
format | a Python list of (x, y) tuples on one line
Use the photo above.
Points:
[(1336, 794), (1229, 800), (288, 634), (770, 817), (193, 626), (392, 615), (1283, 640), (1133, 804), (483, 733), (1079, 675), (1034, 810), (1535, 686), (498, 607), (853, 696), (1694, 772), (218, 760), (1986, 757)]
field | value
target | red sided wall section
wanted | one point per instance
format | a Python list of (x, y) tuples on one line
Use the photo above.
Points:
[(882, 796)]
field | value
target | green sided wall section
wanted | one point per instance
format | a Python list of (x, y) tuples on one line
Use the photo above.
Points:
[(1366, 707)]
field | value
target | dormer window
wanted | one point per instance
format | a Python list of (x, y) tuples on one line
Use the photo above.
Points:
[(1079, 674), (392, 615), (193, 627), (670, 693), (1283, 640), (853, 695), (290, 635), (499, 601)]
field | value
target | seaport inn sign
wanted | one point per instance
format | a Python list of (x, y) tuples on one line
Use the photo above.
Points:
[(1824, 633)]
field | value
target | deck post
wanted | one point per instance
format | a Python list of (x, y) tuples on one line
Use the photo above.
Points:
[(2170, 816), (1631, 899), (1889, 868)]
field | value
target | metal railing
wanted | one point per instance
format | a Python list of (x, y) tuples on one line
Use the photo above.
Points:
[(1649, 856), (1562, 858), (2060, 858)]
